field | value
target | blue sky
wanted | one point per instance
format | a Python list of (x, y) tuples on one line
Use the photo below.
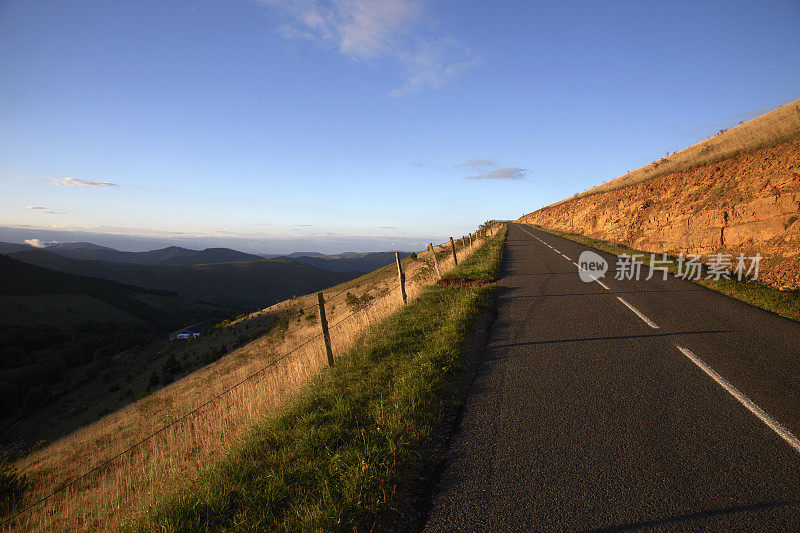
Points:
[(352, 124)]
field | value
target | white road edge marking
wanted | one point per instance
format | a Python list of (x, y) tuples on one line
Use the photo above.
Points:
[(638, 313), (649, 322), (784, 433)]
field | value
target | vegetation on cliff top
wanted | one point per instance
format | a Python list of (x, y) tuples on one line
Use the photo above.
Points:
[(778, 126)]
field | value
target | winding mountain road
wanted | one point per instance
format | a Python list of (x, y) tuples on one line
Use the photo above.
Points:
[(624, 405)]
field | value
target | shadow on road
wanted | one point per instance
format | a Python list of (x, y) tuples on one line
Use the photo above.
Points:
[(658, 522)]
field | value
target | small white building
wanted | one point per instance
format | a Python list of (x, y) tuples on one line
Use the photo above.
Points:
[(191, 332)]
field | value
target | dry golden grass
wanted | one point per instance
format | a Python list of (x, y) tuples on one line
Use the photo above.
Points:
[(107, 498), (780, 125)]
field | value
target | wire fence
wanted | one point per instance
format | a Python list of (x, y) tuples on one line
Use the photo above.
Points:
[(226, 392)]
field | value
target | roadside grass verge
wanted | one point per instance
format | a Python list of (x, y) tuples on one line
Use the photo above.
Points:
[(101, 476), (784, 303), (341, 455)]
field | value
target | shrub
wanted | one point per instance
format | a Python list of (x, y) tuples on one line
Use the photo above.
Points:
[(154, 380), (357, 303)]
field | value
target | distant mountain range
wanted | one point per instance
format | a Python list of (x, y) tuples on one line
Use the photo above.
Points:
[(170, 256), (216, 275), (177, 256), (243, 284)]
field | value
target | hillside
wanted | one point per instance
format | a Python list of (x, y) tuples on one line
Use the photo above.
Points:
[(10, 247), (778, 126), (745, 202), (250, 368), (60, 332), (246, 284)]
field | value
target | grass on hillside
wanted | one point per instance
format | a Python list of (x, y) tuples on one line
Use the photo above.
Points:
[(778, 126), (359, 436), (110, 496), (784, 303)]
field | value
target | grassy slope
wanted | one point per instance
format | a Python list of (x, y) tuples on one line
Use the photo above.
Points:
[(359, 435), (777, 126), (784, 303)]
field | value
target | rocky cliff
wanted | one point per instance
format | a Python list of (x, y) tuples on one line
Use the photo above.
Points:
[(747, 203)]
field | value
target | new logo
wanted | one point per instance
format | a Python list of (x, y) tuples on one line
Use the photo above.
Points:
[(592, 266)]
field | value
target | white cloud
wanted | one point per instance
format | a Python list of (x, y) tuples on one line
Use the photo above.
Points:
[(36, 243), (45, 210), (75, 182), (482, 170), (370, 30)]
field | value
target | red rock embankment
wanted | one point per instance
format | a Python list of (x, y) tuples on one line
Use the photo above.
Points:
[(749, 203)]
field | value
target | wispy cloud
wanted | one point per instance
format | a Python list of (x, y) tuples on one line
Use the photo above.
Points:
[(371, 30), (508, 173), (476, 164), (45, 210), (482, 170), (75, 182)]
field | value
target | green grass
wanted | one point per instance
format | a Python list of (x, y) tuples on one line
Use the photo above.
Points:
[(358, 442), (784, 303)]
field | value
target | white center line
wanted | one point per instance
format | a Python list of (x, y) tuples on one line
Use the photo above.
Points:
[(784, 433), (650, 322), (639, 314)]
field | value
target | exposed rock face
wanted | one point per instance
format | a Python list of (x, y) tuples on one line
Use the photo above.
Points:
[(749, 203)]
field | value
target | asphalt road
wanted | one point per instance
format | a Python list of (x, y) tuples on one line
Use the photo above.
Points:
[(585, 417)]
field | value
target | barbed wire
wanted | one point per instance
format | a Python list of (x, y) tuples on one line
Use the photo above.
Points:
[(161, 430), (209, 401)]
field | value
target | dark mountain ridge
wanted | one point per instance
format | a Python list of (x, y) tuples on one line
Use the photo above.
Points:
[(169, 256), (243, 284)]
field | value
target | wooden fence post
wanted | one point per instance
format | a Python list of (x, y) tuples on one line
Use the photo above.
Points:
[(453, 246), (435, 261), (323, 321), (470, 240), (402, 277)]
